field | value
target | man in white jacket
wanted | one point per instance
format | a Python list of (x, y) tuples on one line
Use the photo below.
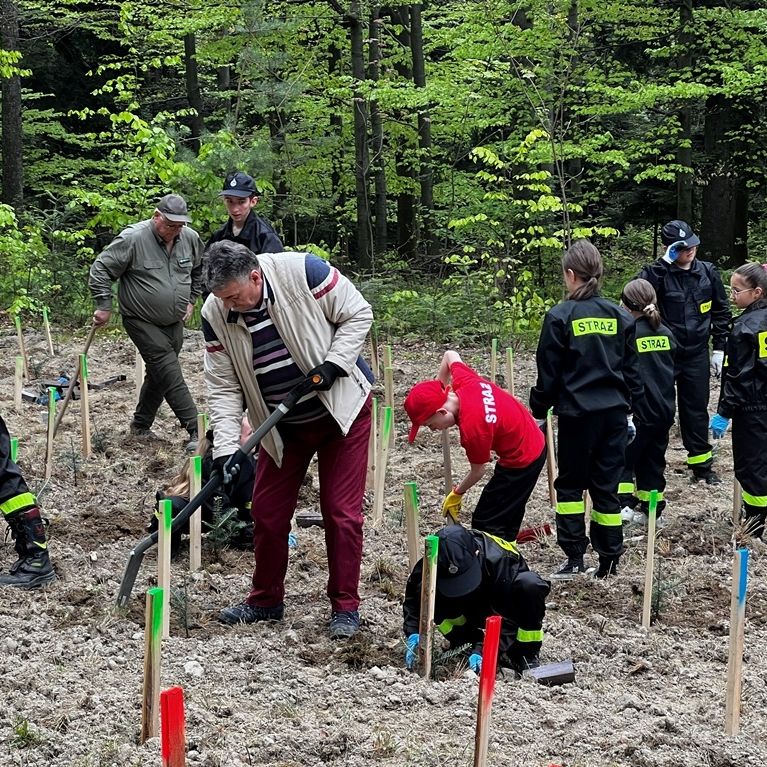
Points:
[(269, 322)]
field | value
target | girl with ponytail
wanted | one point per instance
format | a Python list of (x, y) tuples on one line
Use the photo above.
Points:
[(588, 373), (646, 454), (743, 396)]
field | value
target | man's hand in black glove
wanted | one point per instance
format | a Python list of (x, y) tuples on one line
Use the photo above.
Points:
[(229, 466), (328, 372)]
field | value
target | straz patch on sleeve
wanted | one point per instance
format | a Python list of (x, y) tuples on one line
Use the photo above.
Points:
[(654, 344), (762, 344), (604, 326), (705, 307)]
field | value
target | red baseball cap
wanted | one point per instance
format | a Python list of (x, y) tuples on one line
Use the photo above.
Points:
[(422, 402)]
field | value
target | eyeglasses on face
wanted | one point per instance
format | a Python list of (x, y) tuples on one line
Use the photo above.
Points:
[(738, 291)]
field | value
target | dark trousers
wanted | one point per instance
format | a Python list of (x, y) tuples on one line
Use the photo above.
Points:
[(342, 466), (646, 465), (160, 347), (501, 506), (14, 493), (692, 374), (590, 454), (749, 453)]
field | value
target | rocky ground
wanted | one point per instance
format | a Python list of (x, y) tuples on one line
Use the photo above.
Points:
[(285, 695)]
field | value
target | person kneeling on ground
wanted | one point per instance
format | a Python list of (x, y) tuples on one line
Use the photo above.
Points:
[(488, 419), (19, 507), (479, 575)]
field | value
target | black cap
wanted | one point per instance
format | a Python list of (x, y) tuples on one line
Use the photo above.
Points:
[(173, 207), (679, 231), (239, 184), (458, 569)]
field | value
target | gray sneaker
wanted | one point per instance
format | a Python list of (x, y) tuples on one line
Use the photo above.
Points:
[(344, 624), (245, 613), (569, 570)]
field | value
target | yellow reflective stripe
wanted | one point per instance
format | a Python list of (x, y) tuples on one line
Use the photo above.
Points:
[(693, 459), (705, 307), (536, 635), (571, 507), (644, 495), (18, 502), (603, 325), (625, 488), (762, 343), (503, 543), (448, 624), (607, 520), (755, 500)]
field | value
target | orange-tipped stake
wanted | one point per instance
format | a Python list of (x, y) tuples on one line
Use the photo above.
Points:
[(486, 688)]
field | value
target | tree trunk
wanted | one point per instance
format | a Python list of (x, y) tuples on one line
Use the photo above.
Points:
[(10, 90), (424, 130), (336, 130), (724, 229), (361, 159), (684, 152), (376, 123), (193, 94)]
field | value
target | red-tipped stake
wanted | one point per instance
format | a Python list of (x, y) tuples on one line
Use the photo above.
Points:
[(173, 732), (486, 688)]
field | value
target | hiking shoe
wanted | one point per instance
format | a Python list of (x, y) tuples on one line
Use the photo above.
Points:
[(522, 663), (606, 568), (569, 570), (30, 572), (344, 624), (141, 432), (708, 476), (245, 613)]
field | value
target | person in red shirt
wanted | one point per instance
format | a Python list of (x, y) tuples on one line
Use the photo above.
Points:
[(489, 421)]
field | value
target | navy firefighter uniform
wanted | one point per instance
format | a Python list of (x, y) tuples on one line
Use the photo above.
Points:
[(694, 306), (744, 399), (589, 373), (646, 455)]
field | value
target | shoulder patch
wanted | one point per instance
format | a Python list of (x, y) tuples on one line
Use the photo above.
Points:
[(605, 326)]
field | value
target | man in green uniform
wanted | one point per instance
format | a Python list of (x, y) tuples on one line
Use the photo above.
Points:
[(158, 263)]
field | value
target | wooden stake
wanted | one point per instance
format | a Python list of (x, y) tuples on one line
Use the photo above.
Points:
[(428, 594), (447, 463), (411, 522), (383, 458), (85, 408), (649, 559), (370, 479), (47, 326), (737, 501), (150, 702), (14, 449), (375, 362), (737, 640), (18, 383), (587, 505), (138, 374), (164, 522), (202, 428), (22, 348), (73, 381), (195, 521), (551, 459), (389, 388), (173, 737), (510, 371), (493, 360), (486, 688), (51, 432)]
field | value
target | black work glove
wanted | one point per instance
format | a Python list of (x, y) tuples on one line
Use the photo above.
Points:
[(229, 466), (328, 372)]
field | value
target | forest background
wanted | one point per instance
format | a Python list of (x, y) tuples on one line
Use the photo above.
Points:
[(442, 153)]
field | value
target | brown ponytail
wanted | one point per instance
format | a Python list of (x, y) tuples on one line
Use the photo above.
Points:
[(584, 260), (639, 296)]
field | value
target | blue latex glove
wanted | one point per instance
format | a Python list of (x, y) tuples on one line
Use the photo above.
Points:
[(292, 541), (475, 662), (411, 654), (718, 425), (672, 252), (630, 428)]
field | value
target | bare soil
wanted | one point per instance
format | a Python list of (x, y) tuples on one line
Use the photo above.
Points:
[(285, 695)]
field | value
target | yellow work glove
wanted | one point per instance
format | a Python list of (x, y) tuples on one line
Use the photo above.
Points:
[(452, 505)]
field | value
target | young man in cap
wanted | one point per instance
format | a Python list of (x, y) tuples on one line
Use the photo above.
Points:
[(19, 507), (479, 575), (158, 263), (244, 226), (694, 305), (489, 420)]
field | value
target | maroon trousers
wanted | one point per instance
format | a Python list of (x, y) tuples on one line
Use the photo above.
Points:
[(342, 465)]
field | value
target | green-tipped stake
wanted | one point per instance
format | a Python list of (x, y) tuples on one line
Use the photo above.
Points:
[(370, 480), (85, 407), (202, 426), (195, 521), (164, 522), (14, 449), (428, 593), (737, 641), (150, 705), (411, 521), (383, 458), (51, 432), (649, 559)]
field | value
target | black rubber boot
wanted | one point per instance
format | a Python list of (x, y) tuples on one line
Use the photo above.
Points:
[(33, 567)]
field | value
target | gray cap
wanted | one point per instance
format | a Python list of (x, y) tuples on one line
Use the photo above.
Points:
[(173, 207)]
